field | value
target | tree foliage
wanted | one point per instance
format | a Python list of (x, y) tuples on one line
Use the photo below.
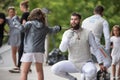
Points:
[(61, 10)]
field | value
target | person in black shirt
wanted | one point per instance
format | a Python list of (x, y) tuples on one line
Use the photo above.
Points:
[(24, 9), (2, 24)]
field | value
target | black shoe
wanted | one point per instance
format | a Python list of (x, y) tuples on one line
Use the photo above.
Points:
[(75, 78), (30, 70)]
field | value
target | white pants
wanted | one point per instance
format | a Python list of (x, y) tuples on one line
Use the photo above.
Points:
[(63, 68)]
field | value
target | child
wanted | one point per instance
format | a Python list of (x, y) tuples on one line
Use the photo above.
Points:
[(115, 54), (35, 30), (14, 35)]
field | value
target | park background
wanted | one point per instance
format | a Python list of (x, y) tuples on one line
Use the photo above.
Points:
[(60, 11)]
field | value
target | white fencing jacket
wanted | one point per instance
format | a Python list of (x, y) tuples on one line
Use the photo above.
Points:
[(98, 25)]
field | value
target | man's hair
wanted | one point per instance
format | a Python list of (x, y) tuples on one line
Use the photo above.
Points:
[(99, 9), (76, 14)]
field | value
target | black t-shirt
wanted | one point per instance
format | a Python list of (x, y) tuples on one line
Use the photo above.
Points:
[(2, 30), (2, 16), (24, 16)]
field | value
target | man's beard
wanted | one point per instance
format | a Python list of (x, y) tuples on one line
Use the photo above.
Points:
[(75, 27)]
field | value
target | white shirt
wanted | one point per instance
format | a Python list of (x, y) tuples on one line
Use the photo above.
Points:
[(115, 53), (116, 41), (105, 29)]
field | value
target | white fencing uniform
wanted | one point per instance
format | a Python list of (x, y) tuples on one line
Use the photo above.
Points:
[(99, 25), (79, 58)]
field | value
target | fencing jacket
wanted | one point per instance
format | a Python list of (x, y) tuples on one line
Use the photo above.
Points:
[(98, 25), (79, 48)]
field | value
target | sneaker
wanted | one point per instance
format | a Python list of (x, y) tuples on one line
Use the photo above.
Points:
[(16, 68), (14, 71)]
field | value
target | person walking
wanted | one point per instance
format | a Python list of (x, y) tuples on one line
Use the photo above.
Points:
[(115, 54), (78, 42), (35, 31), (98, 26)]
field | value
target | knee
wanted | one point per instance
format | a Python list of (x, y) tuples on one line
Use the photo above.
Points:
[(24, 71), (90, 76), (55, 69), (91, 73)]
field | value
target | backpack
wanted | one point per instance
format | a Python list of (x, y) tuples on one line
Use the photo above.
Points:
[(55, 56)]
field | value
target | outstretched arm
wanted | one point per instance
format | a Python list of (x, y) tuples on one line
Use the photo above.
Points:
[(54, 29), (20, 26), (16, 23)]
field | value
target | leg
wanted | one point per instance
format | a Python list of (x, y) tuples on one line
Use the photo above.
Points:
[(113, 70), (14, 51), (20, 51), (16, 69), (39, 69), (1, 40), (24, 70), (118, 72), (62, 69), (89, 72)]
